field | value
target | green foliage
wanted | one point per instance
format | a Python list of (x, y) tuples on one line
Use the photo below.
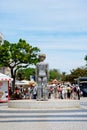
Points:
[(75, 73), (22, 52), (79, 72), (54, 74), (85, 59), (17, 55), (25, 73), (4, 54)]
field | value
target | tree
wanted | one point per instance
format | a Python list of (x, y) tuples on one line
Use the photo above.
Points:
[(63, 76), (85, 59), (25, 73), (17, 55), (54, 74), (75, 73)]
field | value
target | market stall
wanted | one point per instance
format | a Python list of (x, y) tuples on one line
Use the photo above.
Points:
[(4, 87)]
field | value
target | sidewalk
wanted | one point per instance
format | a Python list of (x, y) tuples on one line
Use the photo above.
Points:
[(83, 105)]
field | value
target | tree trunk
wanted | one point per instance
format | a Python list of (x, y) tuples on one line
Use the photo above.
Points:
[(13, 82)]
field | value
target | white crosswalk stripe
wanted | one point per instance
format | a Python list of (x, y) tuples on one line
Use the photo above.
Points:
[(43, 116), (65, 119)]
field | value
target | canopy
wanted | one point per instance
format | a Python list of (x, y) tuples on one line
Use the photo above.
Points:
[(26, 83), (23, 82), (4, 77), (4, 87)]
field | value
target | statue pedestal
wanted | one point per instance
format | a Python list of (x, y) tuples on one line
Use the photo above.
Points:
[(50, 104)]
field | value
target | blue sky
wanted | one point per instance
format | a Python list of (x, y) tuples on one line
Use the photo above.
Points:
[(57, 27)]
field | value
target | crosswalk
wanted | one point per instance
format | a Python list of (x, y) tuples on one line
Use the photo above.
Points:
[(43, 116)]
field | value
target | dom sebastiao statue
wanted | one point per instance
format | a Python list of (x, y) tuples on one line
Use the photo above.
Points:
[(42, 78)]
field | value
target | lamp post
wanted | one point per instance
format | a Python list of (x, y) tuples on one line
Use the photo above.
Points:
[(1, 39)]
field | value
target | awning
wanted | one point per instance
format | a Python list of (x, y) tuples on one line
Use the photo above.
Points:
[(23, 82), (4, 77)]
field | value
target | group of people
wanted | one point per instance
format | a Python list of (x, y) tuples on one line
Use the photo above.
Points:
[(65, 91), (24, 93), (56, 91)]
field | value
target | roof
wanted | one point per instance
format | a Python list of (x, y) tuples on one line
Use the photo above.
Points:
[(4, 77)]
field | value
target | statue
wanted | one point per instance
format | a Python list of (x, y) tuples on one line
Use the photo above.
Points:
[(42, 78)]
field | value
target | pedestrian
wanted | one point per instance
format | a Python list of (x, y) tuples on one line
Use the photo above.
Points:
[(35, 92), (68, 91), (78, 91)]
